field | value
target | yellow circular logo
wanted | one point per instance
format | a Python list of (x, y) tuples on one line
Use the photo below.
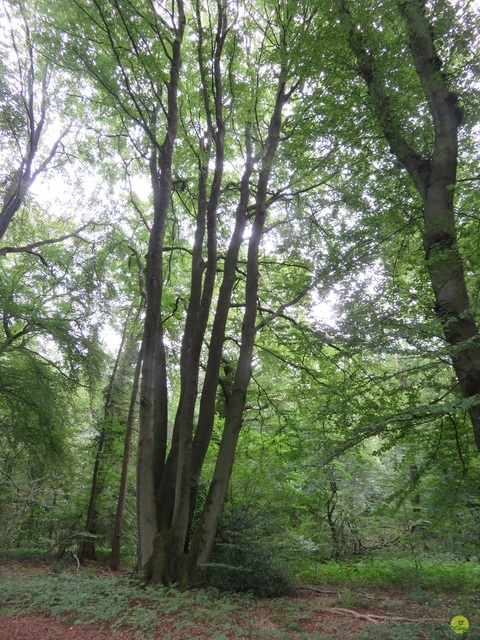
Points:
[(459, 624)]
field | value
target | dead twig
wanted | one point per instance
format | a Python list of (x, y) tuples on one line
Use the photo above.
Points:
[(78, 562)]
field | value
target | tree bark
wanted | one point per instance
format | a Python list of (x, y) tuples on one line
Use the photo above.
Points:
[(122, 493), (167, 560), (87, 548), (174, 495), (174, 559), (204, 536), (153, 401), (206, 417), (200, 297)]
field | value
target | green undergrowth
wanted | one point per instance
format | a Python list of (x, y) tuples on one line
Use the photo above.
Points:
[(117, 601), (89, 597), (463, 577), (417, 631), (19, 554)]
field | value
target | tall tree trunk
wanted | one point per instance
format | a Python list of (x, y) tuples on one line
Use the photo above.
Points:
[(122, 493), (413, 479), (166, 562), (173, 559), (435, 179), (206, 530), (153, 401), (332, 521), (174, 496), (87, 548), (206, 417), (152, 441)]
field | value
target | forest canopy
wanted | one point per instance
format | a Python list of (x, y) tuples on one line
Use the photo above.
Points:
[(239, 280)]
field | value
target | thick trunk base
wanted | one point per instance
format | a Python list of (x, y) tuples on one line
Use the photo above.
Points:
[(168, 567), (87, 551)]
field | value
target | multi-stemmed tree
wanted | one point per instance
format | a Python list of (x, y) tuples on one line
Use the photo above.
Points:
[(212, 161)]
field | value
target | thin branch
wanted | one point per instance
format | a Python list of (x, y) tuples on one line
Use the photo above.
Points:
[(52, 153), (473, 179), (457, 442), (11, 479), (50, 363), (294, 365), (284, 306), (29, 248)]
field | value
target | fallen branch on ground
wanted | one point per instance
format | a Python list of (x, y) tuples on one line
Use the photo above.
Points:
[(328, 592), (349, 612), (372, 617)]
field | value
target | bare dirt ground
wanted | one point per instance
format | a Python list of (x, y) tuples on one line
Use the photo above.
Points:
[(311, 612)]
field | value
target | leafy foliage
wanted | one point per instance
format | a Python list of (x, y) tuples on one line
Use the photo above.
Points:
[(355, 440)]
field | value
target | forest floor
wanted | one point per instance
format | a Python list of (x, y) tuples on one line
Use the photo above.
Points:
[(41, 602)]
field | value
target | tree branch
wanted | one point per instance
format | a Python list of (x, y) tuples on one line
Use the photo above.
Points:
[(11, 479), (29, 248), (375, 618), (281, 309)]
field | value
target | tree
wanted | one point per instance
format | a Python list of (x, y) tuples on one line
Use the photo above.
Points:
[(432, 169), (122, 493), (48, 351), (116, 420), (28, 111), (138, 69)]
